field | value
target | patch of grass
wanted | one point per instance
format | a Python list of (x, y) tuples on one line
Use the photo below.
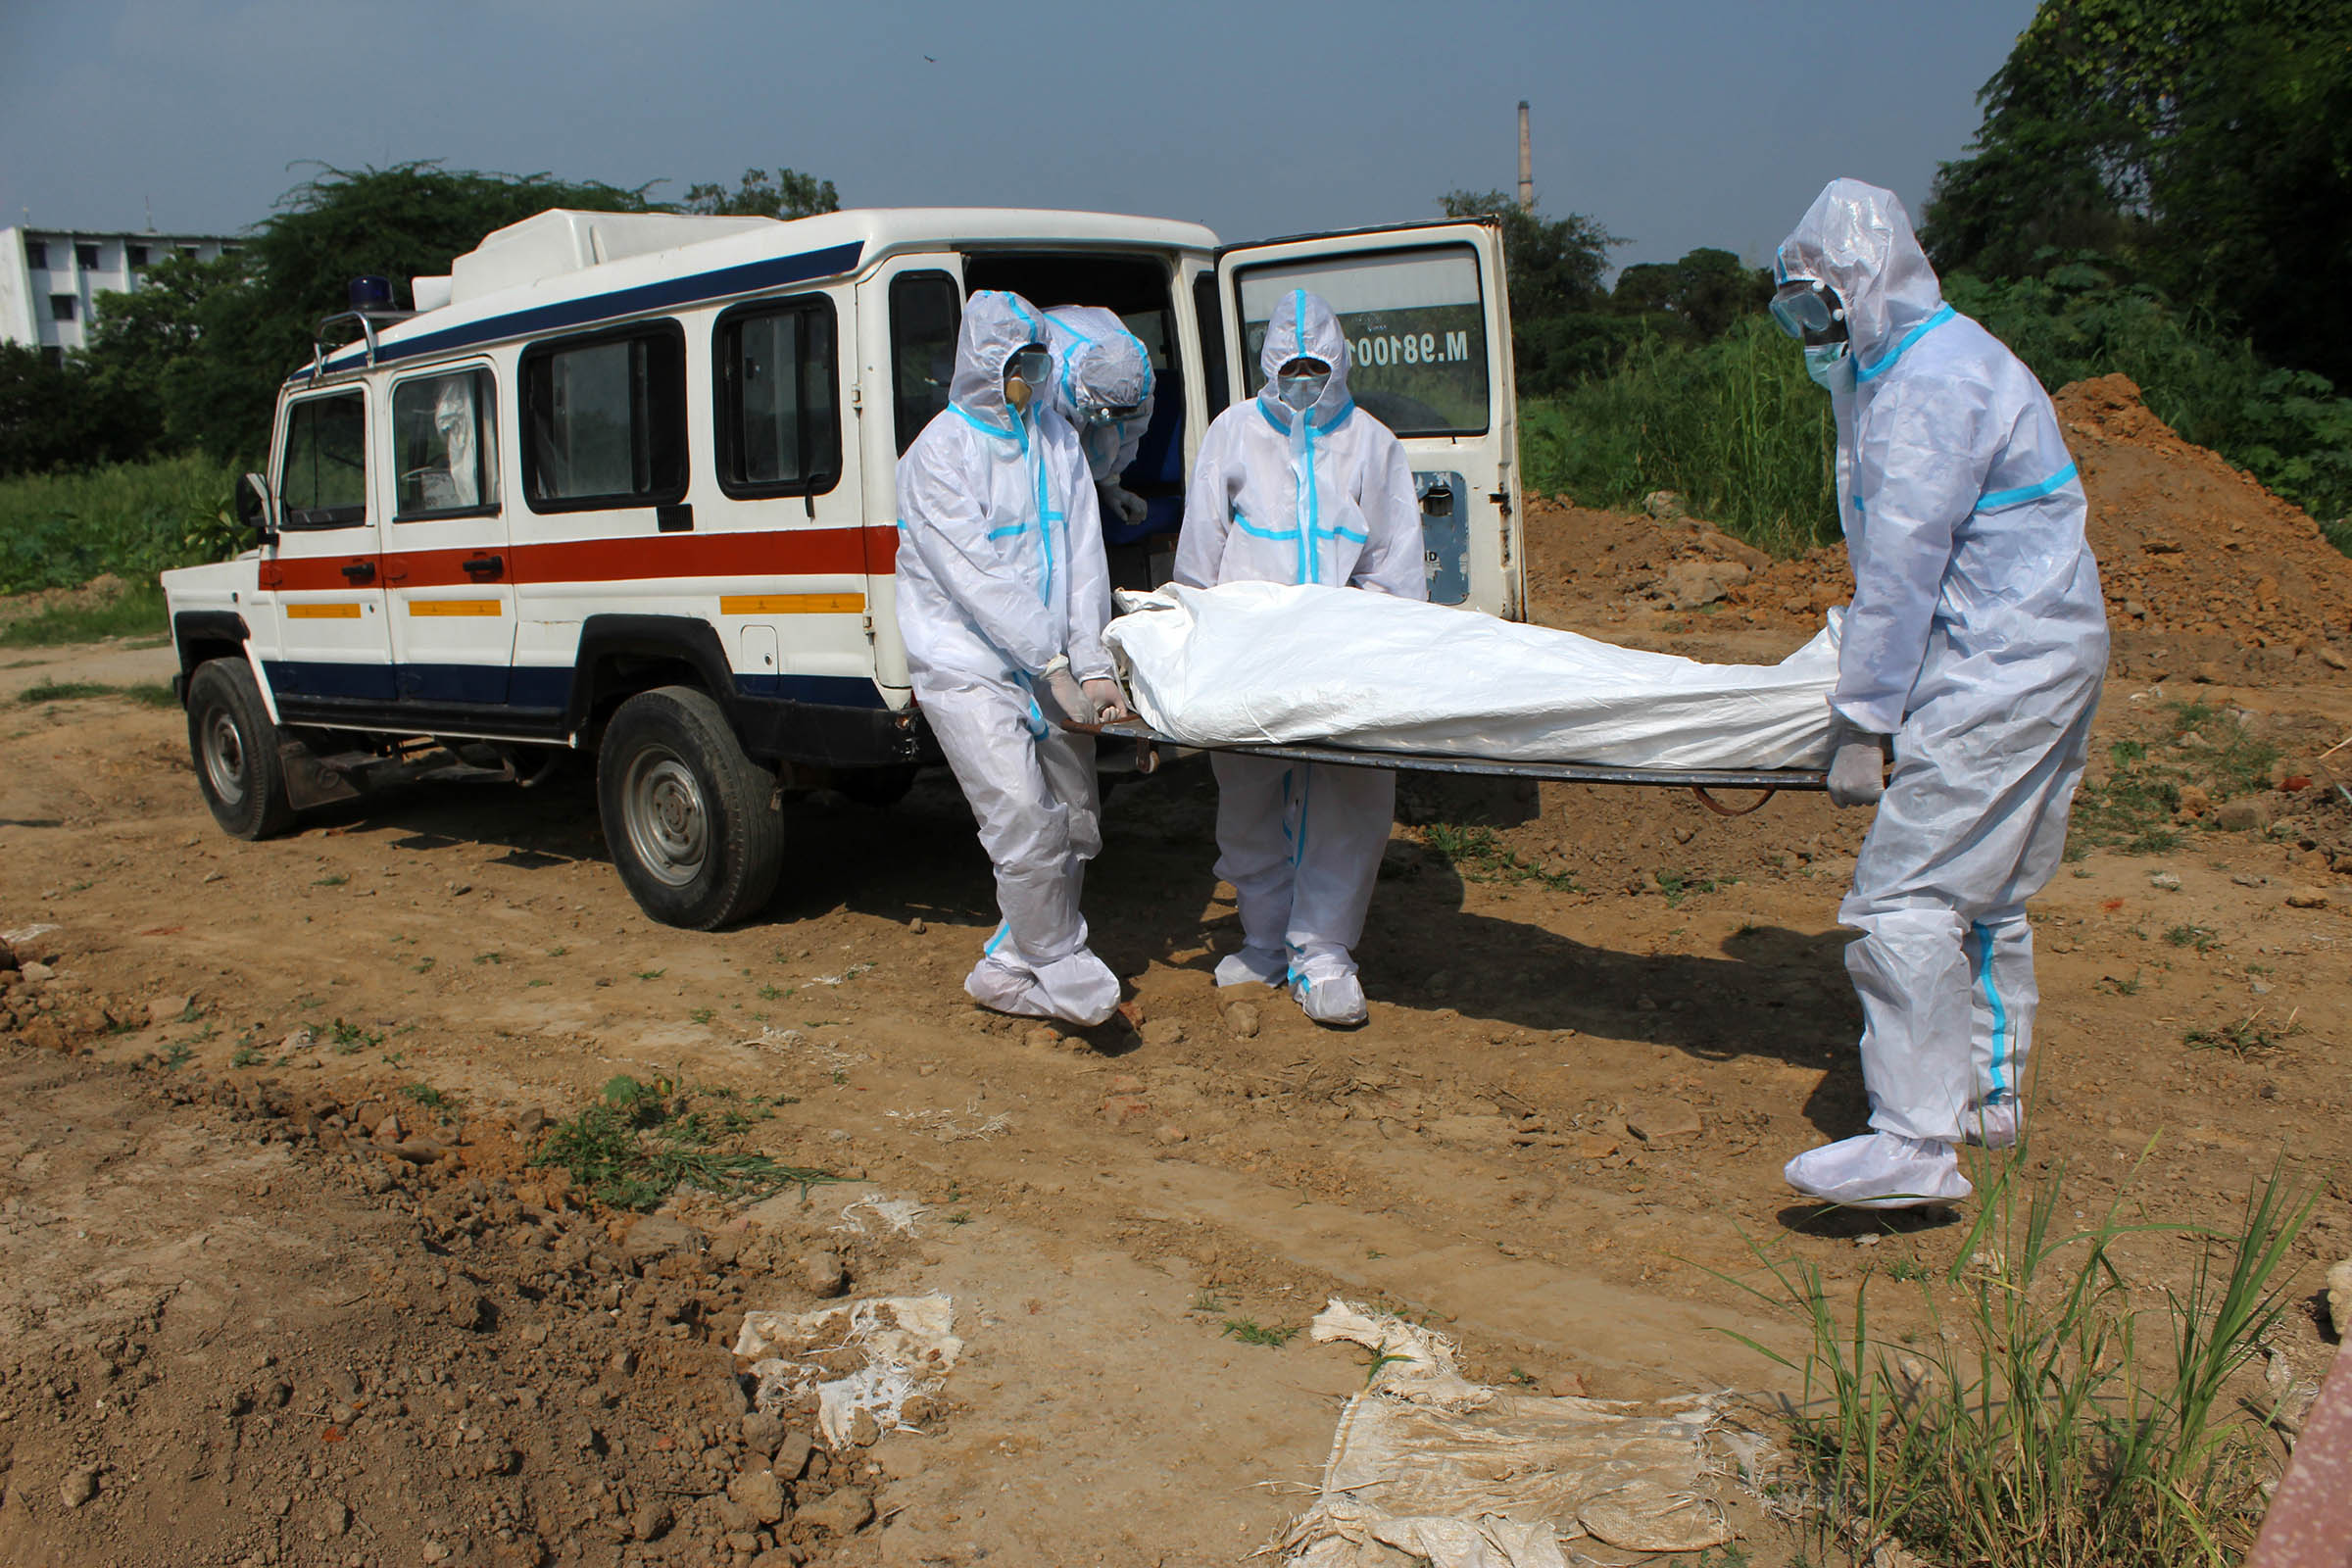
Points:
[(489, 957), (176, 1057), (2040, 1422), (1904, 1270), (702, 1014), (333, 879), (349, 1039), (424, 963), (640, 1141), (1478, 855), (146, 694), (2191, 936), (652, 974), (2250, 1036), (1251, 1332), (244, 1057), (428, 1097), (133, 520), (138, 609), (557, 953), (2131, 806)]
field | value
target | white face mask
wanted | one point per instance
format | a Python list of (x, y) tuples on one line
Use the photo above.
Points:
[(1830, 365), (1301, 392)]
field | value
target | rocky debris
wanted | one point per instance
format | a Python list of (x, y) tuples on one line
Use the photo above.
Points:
[(1041, 1036), (1161, 1033), (1122, 1111), (81, 1485), (841, 1513), (2305, 898), (1688, 584), (2340, 1297), (1170, 1135), (1663, 1119), (161, 1010), (654, 1238), (823, 1275), (1242, 1020)]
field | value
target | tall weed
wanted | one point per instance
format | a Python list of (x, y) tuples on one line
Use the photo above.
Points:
[(133, 520), (2036, 1424), (1735, 425)]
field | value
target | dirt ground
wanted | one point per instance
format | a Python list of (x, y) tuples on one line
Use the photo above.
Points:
[(247, 1320)]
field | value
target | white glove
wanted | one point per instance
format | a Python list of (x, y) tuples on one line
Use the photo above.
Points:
[(1058, 693), (1111, 702), (1857, 766), (1121, 504)]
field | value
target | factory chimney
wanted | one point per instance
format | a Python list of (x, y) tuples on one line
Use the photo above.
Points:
[(1526, 164)]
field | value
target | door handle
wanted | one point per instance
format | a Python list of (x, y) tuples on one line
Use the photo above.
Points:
[(356, 573), (481, 568)]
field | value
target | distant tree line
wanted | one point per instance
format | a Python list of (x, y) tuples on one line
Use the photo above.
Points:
[(191, 359)]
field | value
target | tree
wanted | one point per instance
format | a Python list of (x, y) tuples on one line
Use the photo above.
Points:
[(790, 194), (1697, 298), (1560, 326), (2202, 146)]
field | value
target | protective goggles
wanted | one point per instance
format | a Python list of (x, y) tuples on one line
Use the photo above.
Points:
[(1809, 312), (1032, 365), (1304, 364), (1110, 413)]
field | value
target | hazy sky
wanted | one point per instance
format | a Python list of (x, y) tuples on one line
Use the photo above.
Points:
[(1675, 123)]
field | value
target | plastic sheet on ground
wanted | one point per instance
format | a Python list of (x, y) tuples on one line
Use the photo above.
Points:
[(860, 1357), (1428, 1466), (1263, 663)]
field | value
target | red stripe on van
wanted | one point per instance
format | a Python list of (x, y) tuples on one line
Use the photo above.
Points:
[(779, 553)]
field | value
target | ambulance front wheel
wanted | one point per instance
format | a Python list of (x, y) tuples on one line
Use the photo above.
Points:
[(234, 746), (687, 816)]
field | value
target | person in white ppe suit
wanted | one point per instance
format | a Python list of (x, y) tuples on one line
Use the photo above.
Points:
[(1103, 386), (1974, 649), (1002, 596), (1297, 485)]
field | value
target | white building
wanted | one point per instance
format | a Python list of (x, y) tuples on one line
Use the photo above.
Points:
[(49, 277)]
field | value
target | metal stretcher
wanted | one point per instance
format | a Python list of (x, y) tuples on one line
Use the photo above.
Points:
[(1152, 747)]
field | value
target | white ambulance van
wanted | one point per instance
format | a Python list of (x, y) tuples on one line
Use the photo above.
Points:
[(622, 485)]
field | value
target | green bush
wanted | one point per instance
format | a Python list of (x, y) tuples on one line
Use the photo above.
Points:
[(1735, 425), (134, 520), (2290, 428)]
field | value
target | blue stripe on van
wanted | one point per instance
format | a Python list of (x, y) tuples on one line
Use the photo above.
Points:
[(774, 272)]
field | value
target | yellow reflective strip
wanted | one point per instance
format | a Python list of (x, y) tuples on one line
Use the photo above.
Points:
[(792, 604), (322, 611), (455, 606)]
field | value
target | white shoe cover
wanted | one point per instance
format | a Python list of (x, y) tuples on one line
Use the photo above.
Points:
[(1262, 967), (1335, 1001), (1079, 989), (1993, 1126), (1880, 1170)]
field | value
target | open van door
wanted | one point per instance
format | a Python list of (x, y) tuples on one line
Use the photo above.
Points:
[(1429, 328)]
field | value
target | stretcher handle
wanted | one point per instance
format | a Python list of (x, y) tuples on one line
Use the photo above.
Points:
[(1720, 809)]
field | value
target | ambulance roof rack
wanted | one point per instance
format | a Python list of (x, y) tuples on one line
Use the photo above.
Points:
[(320, 347)]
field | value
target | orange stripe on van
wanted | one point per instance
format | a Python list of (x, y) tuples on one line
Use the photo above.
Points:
[(792, 604), (344, 612), (455, 606)]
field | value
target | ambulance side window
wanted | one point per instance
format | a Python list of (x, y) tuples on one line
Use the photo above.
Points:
[(445, 439), (779, 421), (925, 311), (1208, 311), (604, 420), (324, 480)]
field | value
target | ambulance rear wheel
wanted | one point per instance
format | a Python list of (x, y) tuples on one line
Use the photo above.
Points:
[(234, 747), (686, 815)]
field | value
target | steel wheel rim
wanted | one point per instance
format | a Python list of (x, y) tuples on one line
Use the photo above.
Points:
[(225, 757), (668, 825)]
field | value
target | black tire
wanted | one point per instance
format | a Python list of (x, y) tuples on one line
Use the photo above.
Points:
[(876, 786), (686, 815), (235, 748)]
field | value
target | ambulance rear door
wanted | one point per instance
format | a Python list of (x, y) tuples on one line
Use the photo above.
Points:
[(1429, 329)]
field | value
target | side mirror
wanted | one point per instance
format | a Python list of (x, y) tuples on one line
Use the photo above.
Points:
[(253, 506)]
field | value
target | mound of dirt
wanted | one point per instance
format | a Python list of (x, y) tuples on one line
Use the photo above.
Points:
[(2206, 573)]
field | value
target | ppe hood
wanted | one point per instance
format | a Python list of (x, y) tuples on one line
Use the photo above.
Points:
[(1097, 362), (1858, 239), (1302, 326), (995, 326)]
